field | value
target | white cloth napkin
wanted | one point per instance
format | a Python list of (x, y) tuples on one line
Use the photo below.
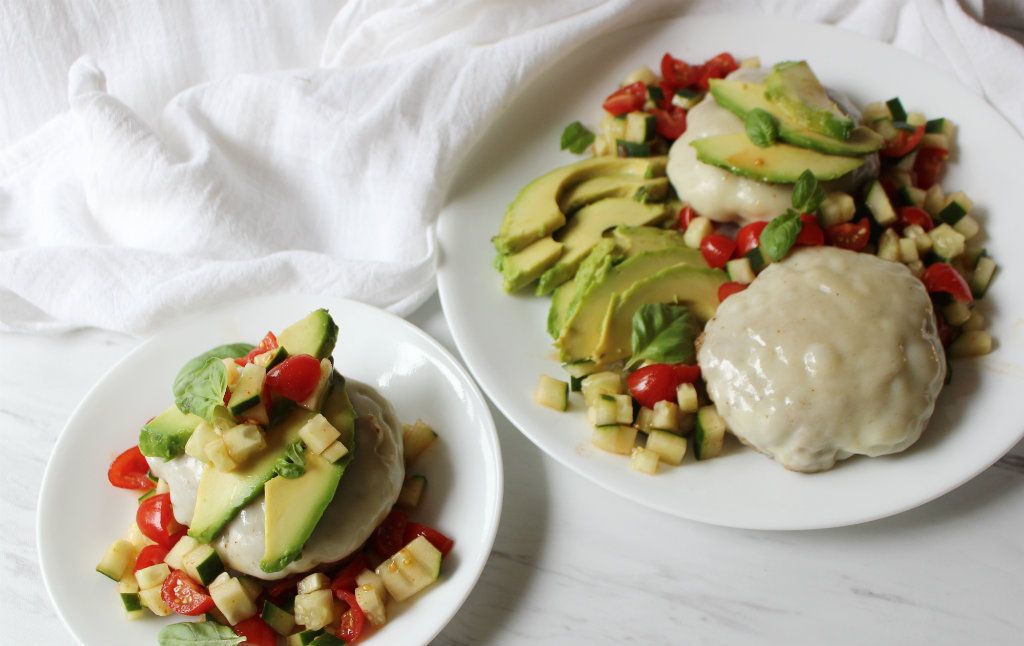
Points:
[(209, 151)]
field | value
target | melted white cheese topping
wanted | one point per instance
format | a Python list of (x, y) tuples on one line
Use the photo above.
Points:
[(718, 194), (367, 492), (827, 354)]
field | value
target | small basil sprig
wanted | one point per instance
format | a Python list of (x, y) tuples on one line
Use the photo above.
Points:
[(663, 333), (807, 193), (762, 128), (293, 463), (780, 235), (576, 137), (200, 384), (198, 633)]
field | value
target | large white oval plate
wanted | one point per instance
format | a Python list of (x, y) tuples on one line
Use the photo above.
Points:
[(80, 514), (503, 339)]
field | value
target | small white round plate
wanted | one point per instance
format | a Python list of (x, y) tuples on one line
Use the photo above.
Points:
[(503, 339), (80, 514)]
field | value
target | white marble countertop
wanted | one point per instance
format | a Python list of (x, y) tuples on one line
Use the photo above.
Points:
[(574, 564)]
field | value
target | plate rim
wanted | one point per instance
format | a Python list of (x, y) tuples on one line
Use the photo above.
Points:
[(445, 290), (491, 526)]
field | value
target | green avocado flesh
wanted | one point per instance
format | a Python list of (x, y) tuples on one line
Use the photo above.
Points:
[(795, 89), (315, 335), (165, 435), (295, 506), (741, 97), (583, 332), (777, 164), (536, 211)]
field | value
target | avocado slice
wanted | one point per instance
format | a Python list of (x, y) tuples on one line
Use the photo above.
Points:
[(165, 435), (696, 287), (523, 267), (794, 87), (295, 506), (776, 164), (315, 334), (535, 212), (582, 332), (741, 97), (587, 228), (634, 241), (605, 186)]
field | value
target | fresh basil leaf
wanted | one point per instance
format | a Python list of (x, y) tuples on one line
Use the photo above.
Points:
[(293, 463), (576, 137), (663, 333), (807, 193), (762, 128), (198, 633), (195, 385), (780, 235)]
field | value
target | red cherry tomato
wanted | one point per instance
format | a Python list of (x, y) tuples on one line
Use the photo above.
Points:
[(677, 74), (387, 539), (810, 234), (717, 250), (667, 94), (345, 579), (353, 621), (626, 99), (256, 631), (904, 143), (728, 289), (150, 555), (910, 215), (940, 277), (849, 235), (294, 378), (436, 538), (128, 471), (155, 519), (185, 596), (269, 342), (670, 122), (749, 237), (686, 215), (716, 68), (928, 166), (658, 382)]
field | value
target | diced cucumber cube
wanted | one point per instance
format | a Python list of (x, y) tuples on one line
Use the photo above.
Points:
[(946, 241), (916, 119), (248, 390), (908, 250), (643, 419), (952, 212), (314, 609), (710, 433), (304, 638), (116, 560), (196, 445), (412, 491), (889, 246), (642, 74), (231, 598), (836, 208), (740, 271), (128, 583), (177, 553), (976, 321), (878, 203), (876, 111), (666, 416), (244, 441), (896, 109), (639, 127), (686, 397), (698, 229), (614, 439), (327, 639), (552, 393), (217, 451), (956, 313), (601, 383), (623, 407), (643, 460), (203, 564), (935, 140), (271, 358), (671, 448), (758, 261), (313, 582), (279, 619), (335, 451), (416, 438), (603, 412), (316, 398), (934, 200), (131, 603), (137, 538), (968, 227), (369, 577), (151, 598), (152, 576), (371, 603), (982, 276), (972, 343), (251, 586), (920, 237), (318, 433)]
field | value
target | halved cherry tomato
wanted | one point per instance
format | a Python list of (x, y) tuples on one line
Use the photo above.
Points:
[(667, 94), (810, 234), (941, 277), (150, 555), (670, 122), (728, 289), (295, 378), (626, 99), (658, 382), (128, 471), (904, 143), (749, 237), (185, 596), (436, 538), (716, 67), (717, 250), (928, 166), (353, 620), (155, 519), (849, 235), (910, 215), (345, 579), (387, 539), (686, 215), (677, 74), (269, 342), (256, 631)]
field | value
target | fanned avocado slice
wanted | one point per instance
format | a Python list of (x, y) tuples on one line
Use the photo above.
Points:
[(316, 334), (794, 87), (776, 164)]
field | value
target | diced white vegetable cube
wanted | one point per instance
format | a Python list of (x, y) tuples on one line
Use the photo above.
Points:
[(335, 451), (152, 576), (233, 600), (243, 441), (698, 229), (313, 582), (643, 460), (318, 434), (686, 398), (217, 451), (185, 545), (314, 610), (151, 599)]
